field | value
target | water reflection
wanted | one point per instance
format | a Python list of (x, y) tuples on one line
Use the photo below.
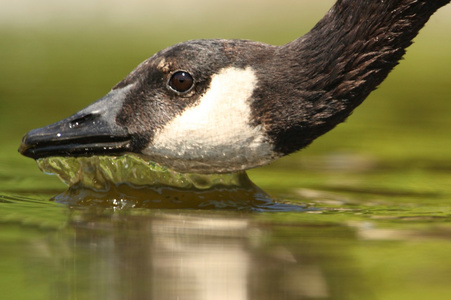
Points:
[(247, 197), (101, 251), (144, 254)]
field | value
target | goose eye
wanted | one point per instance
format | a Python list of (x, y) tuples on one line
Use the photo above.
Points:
[(181, 81)]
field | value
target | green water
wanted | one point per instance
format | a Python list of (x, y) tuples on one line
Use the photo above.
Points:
[(373, 197)]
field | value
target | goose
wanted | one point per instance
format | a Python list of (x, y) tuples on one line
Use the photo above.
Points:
[(221, 106)]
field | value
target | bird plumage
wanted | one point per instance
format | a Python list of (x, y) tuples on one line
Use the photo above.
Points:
[(213, 106)]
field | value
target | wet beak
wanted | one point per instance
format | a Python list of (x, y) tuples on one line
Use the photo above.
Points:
[(91, 131)]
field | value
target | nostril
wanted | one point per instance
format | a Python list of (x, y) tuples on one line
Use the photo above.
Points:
[(82, 120)]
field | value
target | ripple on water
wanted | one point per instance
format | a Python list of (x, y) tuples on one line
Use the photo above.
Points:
[(129, 181)]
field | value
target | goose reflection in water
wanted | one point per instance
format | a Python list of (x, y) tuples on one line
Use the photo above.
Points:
[(165, 255)]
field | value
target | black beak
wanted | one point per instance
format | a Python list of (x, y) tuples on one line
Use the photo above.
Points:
[(91, 131)]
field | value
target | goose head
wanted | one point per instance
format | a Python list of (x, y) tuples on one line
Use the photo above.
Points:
[(188, 107)]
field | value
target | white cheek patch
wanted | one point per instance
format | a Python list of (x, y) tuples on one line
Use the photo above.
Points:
[(216, 135)]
